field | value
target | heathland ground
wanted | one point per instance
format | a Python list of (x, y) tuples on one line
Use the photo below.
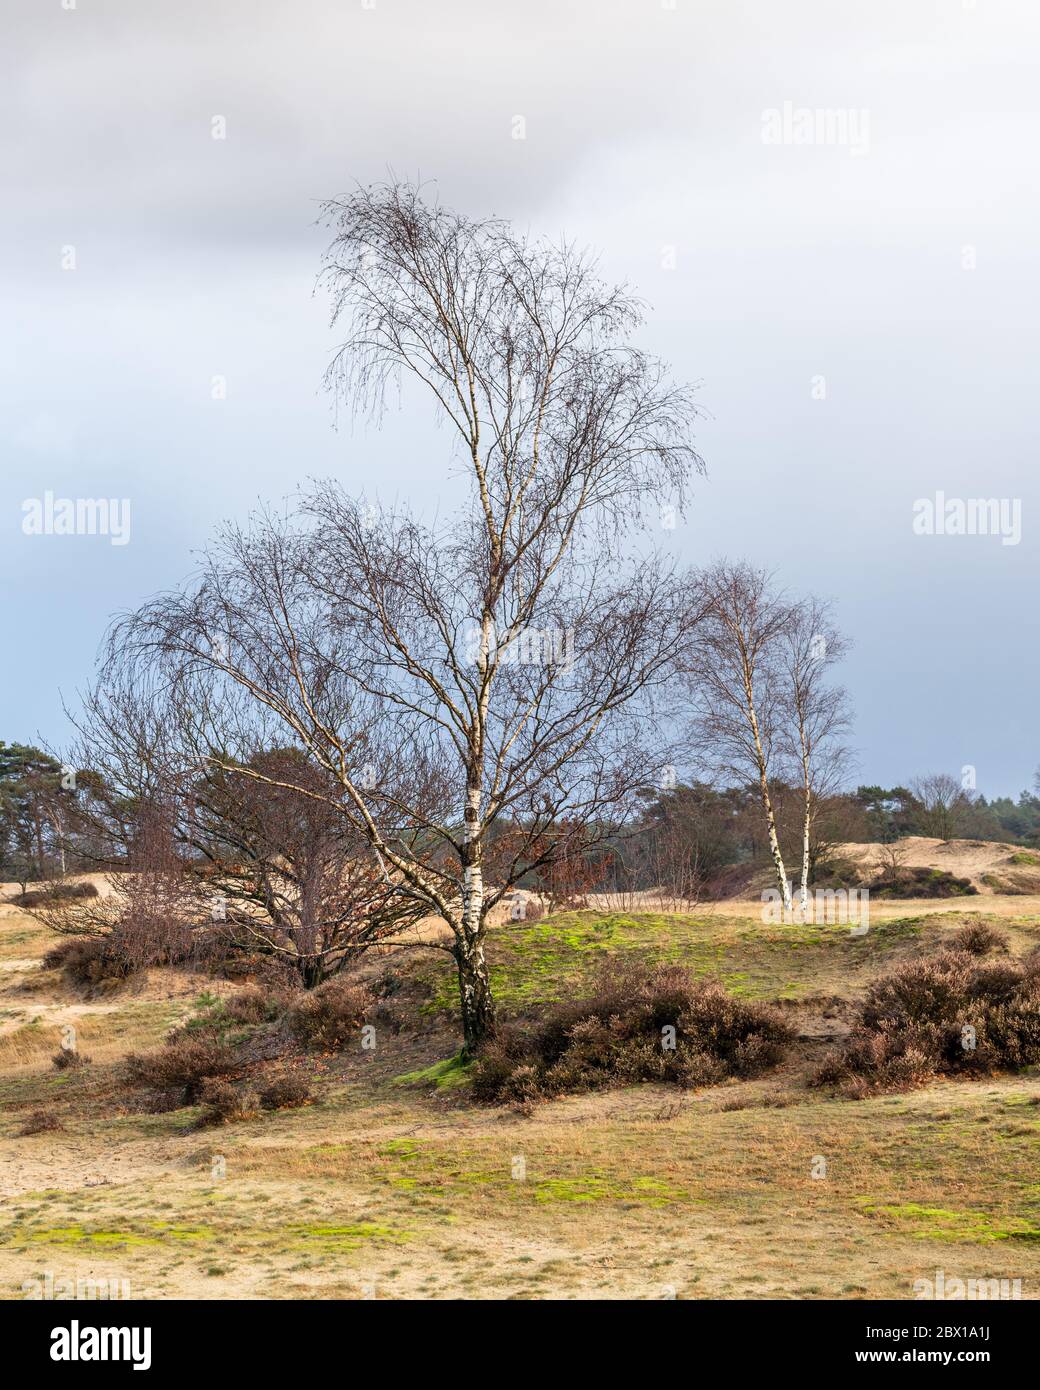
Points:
[(394, 1184)]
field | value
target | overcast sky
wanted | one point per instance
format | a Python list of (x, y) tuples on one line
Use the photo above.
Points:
[(889, 248)]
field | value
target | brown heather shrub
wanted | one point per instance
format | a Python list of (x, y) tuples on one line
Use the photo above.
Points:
[(921, 992), (326, 1018), (978, 938), (905, 882), (89, 961), (948, 1015), (286, 1092), (253, 1005), (54, 893), (181, 1068), (616, 1036), (40, 1122), (870, 1062), (222, 1102), (67, 1057)]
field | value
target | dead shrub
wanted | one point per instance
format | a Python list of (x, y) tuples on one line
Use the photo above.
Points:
[(885, 1060), (664, 1025), (327, 1017), (921, 992), (252, 1005), (89, 961)]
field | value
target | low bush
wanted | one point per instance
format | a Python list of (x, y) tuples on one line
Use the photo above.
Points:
[(664, 1025), (251, 1006), (222, 1102), (326, 1018), (838, 872), (40, 1122), (67, 1057), (1013, 886), (231, 1019), (89, 961), (181, 1068), (903, 882), (53, 894), (950, 1014), (978, 938), (286, 1092)]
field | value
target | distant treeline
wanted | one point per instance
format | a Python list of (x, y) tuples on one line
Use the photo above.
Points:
[(691, 836), (721, 830), (890, 814)]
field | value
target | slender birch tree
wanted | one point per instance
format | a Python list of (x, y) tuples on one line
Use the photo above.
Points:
[(733, 666), (817, 715)]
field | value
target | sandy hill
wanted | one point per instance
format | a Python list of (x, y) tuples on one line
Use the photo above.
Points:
[(993, 867)]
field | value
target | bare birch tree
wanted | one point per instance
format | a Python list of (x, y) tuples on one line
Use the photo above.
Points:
[(503, 665), (942, 804), (733, 666), (815, 714)]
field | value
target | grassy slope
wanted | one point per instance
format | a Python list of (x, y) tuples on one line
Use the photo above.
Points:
[(394, 1190), (550, 959)]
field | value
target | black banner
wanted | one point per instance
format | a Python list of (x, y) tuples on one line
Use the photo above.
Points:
[(72, 1339)]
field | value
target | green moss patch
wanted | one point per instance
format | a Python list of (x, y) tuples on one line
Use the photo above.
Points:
[(444, 1076), (347, 1237), (936, 1223), (155, 1233), (647, 1191)]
